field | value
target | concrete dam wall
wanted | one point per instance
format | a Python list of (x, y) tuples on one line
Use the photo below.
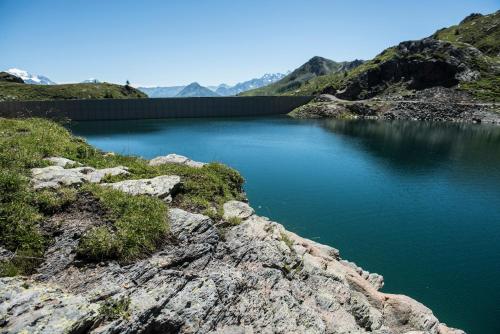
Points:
[(121, 109)]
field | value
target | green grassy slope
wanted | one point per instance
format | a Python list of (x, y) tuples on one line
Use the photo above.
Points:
[(481, 31), (137, 222), (17, 91)]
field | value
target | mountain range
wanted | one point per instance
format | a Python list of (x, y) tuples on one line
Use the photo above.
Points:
[(220, 90), (313, 68)]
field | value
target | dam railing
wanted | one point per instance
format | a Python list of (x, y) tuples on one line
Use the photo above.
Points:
[(122, 109)]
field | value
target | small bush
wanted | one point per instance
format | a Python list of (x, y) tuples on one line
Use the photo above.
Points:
[(286, 240), (234, 221)]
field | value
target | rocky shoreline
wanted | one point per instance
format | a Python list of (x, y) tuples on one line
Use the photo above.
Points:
[(244, 274), (421, 107)]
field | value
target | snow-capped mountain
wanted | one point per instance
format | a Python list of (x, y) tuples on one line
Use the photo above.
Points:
[(29, 78), (241, 87)]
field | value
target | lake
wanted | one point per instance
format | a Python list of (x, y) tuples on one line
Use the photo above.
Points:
[(418, 203)]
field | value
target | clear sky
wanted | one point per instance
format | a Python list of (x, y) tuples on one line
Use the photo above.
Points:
[(210, 41)]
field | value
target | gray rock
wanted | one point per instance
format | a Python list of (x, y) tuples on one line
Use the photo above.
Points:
[(97, 175), (41, 308), (258, 278), (160, 186), (175, 159), (5, 254), (62, 162), (56, 176), (237, 209)]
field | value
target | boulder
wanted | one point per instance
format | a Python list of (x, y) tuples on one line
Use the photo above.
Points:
[(161, 186), (56, 176), (237, 209), (175, 159), (62, 162)]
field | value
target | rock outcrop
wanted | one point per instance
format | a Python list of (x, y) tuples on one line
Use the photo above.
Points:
[(175, 159), (253, 277), (56, 176), (419, 107), (416, 65), (7, 77), (160, 186)]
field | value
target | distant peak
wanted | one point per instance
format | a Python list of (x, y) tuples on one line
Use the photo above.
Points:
[(30, 78)]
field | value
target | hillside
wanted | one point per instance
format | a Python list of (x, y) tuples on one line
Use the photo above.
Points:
[(481, 31), (464, 57), (21, 91), (196, 90), (312, 69)]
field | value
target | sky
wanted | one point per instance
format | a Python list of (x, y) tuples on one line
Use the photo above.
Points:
[(166, 43)]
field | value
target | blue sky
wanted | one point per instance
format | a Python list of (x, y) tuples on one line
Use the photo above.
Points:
[(177, 42)]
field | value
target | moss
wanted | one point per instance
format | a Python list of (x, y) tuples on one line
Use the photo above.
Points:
[(113, 309), (138, 225)]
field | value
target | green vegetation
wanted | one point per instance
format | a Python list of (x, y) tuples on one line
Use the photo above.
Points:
[(233, 221), (139, 224), (20, 91), (286, 239), (113, 309), (481, 31), (25, 143)]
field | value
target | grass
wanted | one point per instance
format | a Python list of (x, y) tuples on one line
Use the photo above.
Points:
[(24, 143), (113, 309), (286, 239), (139, 224), (234, 221), (19, 91), (481, 31)]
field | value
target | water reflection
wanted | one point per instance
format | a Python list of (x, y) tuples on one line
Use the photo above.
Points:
[(421, 145)]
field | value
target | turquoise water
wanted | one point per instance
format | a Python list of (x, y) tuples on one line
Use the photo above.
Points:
[(418, 203)]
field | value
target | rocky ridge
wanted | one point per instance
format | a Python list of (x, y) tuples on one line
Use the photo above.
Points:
[(249, 277)]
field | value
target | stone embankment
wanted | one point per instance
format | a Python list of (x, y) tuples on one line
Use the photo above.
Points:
[(420, 107), (249, 277)]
